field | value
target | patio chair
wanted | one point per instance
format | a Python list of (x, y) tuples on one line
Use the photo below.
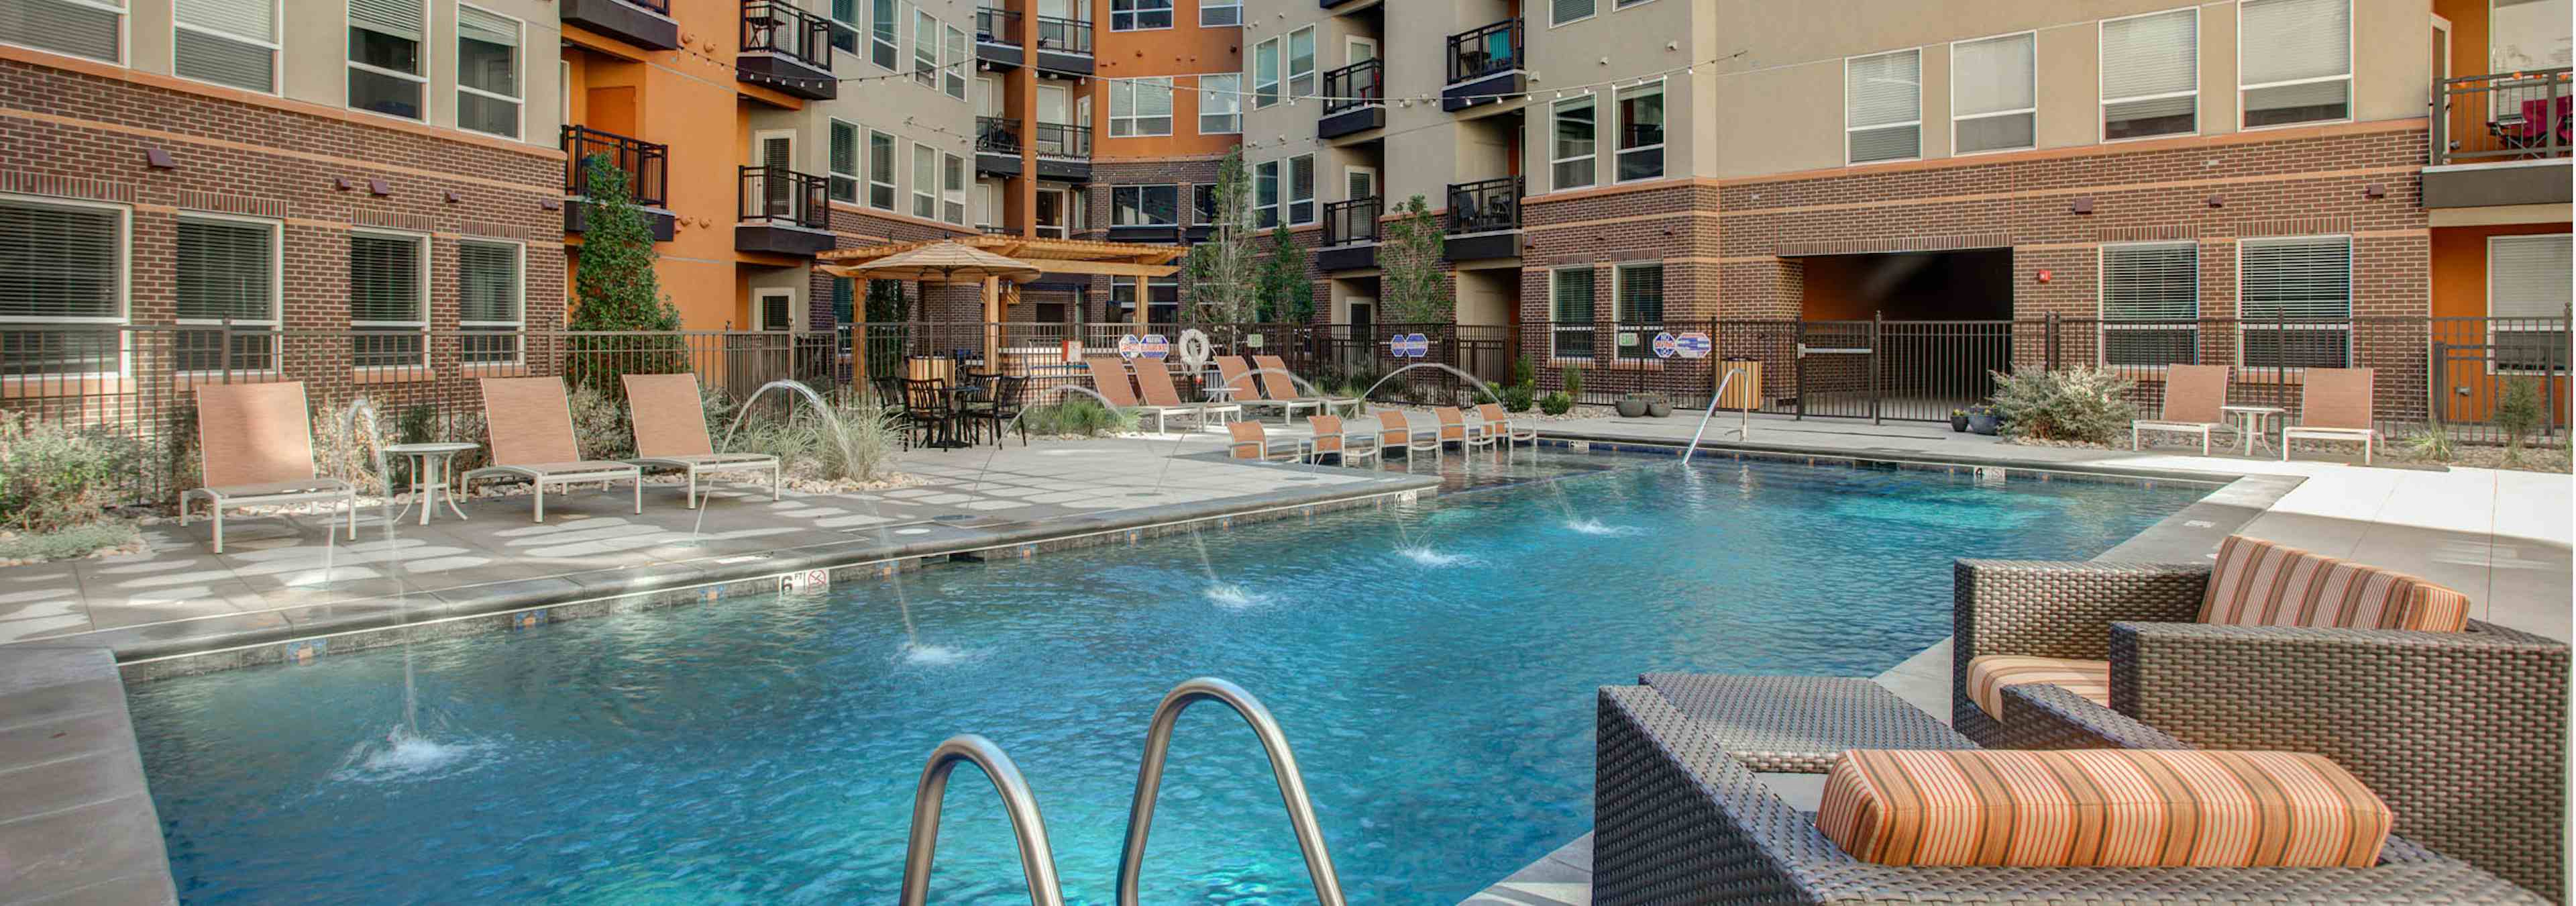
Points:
[(889, 393), (1397, 433), (671, 432), (1252, 441), (1248, 394), (1455, 429), (1010, 393), (2193, 395), (1499, 424), (1109, 376), (2334, 404), (530, 425), (1277, 386), (255, 448), (1155, 381), (1332, 437), (2460, 724)]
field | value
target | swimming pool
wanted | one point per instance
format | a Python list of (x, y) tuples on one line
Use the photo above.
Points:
[(1434, 667)]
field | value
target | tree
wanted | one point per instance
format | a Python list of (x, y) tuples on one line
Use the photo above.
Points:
[(1281, 290), (615, 289), (1220, 272), (885, 301), (1411, 288)]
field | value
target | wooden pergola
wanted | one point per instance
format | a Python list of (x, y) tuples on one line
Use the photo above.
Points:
[(1054, 256)]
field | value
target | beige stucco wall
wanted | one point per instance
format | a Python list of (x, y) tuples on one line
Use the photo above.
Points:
[(1614, 48)]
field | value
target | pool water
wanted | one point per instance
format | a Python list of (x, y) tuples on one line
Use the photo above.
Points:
[(1434, 667)]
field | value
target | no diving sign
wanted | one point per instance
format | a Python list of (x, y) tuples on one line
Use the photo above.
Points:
[(1156, 347), (1130, 346), (809, 580), (1409, 345), (1665, 346), (1690, 345)]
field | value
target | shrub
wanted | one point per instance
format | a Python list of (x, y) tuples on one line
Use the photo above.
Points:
[(2519, 412), (63, 544), (2076, 404), (1080, 416), (1523, 372), (1574, 381), (1556, 403), (862, 449), (1519, 397), (599, 425), (2430, 444), (346, 455), (54, 477)]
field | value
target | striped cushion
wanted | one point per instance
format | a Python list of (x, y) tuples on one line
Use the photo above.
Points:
[(2101, 807), (1988, 675), (2259, 583)]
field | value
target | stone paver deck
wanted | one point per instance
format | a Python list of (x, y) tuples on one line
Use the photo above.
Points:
[(77, 824)]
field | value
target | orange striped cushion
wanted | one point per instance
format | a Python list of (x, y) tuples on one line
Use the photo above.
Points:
[(2101, 807), (2259, 583), (1988, 675)]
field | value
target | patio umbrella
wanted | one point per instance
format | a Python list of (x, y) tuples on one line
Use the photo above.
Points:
[(945, 262)]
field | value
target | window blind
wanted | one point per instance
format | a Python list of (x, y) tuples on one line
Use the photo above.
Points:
[(1569, 10), (61, 27), (2151, 283), (398, 18), (1883, 98), (487, 278), (1993, 91), (1571, 305), (59, 261), (476, 25), (2296, 298), (225, 270), (2527, 276), (224, 61), (249, 19), (2150, 69), (2301, 50), (384, 281)]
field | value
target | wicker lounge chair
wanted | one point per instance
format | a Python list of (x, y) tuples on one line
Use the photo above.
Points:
[(255, 448), (2462, 732), (2193, 395), (671, 432), (1500, 424), (530, 423), (1395, 432), (2334, 404), (1277, 386), (1332, 437), (1253, 442), (1680, 816), (1156, 382), (1109, 376), (1455, 429), (1248, 394)]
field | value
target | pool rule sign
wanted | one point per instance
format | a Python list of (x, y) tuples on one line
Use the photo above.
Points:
[(1130, 346), (1408, 346), (1690, 345), (1666, 346)]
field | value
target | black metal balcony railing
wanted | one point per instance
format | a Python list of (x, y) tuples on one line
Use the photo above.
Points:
[(1064, 35), (1486, 206), (1485, 51), (997, 135), (997, 26), (647, 165), (1352, 87), (2509, 116), (1061, 140), (1352, 221), (779, 27), (777, 196)]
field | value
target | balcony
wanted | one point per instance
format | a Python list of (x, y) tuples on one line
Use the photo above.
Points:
[(1484, 65), (643, 23), (997, 37), (1484, 220), (1354, 99), (647, 168), (1064, 45), (2500, 140), (787, 49), (1064, 151), (1350, 235), (997, 146), (783, 212)]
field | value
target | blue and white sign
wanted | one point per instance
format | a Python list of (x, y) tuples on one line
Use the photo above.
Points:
[(1130, 346), (1156, 347), (1666, 346), (1692, 345), (1408, 346)]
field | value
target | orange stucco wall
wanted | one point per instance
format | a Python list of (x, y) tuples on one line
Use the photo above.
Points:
[(2460, 291), (1183, 50)]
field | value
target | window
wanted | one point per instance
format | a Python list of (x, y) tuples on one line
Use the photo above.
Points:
[(388, 59), (845, 302), (845, 162), (66, 265), (881, 169), (487, 72), (2527, 278), (81, 28), (1203, 203), (2295, 296), (490, 301), (1265, 74), (1144, 205), (227, 273), (952, 188), (1994, 94), (954, 77), (1265, 195), (1883, 107), (1301, 190), (1561, 12), (2294, 61), (2151, 304), (2523, 35), (988, 204), (881, 36), (388, 299), (1139, 15), (845, 25), (925, 48), (1570, 306), (1572, 152), (1641, 132), (1221, 104), (227, 42), (1140, 107), (773, 310), (1301, 63), (1639, 292), (2151, 75), (1220, 13), (925, 182)]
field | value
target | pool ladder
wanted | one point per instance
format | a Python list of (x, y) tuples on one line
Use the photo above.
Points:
[(1743, 429), (1037, 859)]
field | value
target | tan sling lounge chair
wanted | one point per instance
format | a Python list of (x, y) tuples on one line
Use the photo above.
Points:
[(1155, 381), (530, 422), (1394, 432), (2334, 404), (1455, 429), (1332, 436), (255, 446), (1278, 387), (1109, 377), (2193, 395), (671, 432), (1247, 391), (1499, 424), (1251, 441)]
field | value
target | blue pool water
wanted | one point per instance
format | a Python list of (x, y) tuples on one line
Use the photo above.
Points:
[(1434, 667)]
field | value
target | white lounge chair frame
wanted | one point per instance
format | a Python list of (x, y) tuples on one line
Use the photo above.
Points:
[(670, 422), (529, 421), (250, 457)]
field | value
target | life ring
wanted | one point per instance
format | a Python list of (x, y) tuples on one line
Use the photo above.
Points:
[(1194, 348)]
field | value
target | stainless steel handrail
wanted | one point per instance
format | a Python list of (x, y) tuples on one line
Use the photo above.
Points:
[(1037, 859), (1743, 430), (1283, 764)]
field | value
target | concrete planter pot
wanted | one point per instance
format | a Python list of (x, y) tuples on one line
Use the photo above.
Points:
[(1630, 407)]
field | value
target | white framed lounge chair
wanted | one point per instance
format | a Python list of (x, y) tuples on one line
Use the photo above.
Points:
[(1499, 424), (1277, 386), (1252, 441), (1455, 429), (2334, 404), (1247, 391), (1333, 438), (1395, 432), (2193, 397), (255, 448), (671, 432), (530, 424), (1155, 381), (1109, 377)]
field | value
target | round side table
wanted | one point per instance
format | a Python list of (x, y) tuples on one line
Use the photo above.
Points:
[(2254, 422), (429, 468)]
